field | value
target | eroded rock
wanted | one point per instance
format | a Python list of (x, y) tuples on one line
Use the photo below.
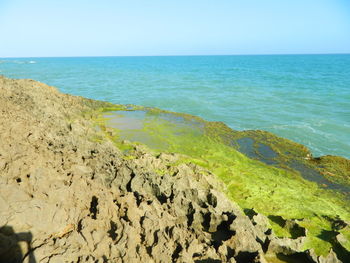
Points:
[(69, 198)]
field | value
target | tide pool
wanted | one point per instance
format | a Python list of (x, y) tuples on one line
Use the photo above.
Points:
[(305, 98)]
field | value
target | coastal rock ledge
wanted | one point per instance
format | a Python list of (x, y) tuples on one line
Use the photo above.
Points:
[(67, 197)]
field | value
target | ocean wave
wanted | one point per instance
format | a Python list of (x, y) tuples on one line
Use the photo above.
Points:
[(291, 126), (229, 89), (17, 62)]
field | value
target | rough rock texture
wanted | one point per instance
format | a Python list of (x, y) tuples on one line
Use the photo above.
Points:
[(66, 198)]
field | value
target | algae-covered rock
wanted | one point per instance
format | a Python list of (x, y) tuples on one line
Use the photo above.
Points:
[(329, 171), (66, 196)]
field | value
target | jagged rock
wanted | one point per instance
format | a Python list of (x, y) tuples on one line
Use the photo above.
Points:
[(67, 197), (261, 225), (286, 246), (330, 258), (340, 238)]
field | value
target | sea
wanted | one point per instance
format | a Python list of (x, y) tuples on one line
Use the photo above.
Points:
[(305, 98)]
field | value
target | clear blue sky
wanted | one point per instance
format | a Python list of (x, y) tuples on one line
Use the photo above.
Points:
[(178, 27)]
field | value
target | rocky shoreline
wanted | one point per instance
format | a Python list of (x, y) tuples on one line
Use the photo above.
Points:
[(65, 197)]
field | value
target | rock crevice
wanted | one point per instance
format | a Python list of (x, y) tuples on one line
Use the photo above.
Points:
[(66, 197)]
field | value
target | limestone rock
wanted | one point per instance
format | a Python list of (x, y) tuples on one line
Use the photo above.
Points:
[(67, 197)]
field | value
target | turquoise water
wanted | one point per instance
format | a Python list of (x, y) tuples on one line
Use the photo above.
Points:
[(305, 98)]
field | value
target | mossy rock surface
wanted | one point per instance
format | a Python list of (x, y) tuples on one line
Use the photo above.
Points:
[(275, 176)]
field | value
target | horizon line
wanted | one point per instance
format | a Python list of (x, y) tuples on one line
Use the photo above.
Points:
[(200, 55)]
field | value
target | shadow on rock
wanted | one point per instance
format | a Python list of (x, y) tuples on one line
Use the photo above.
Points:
[(15, 247), (208, 260), (295, 258), (333, 237)]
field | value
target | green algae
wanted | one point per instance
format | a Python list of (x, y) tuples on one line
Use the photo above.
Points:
[(329, 171), (335, 168), (263, 178)]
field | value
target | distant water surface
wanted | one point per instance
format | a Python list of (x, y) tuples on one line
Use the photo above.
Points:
[(305, 98)]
